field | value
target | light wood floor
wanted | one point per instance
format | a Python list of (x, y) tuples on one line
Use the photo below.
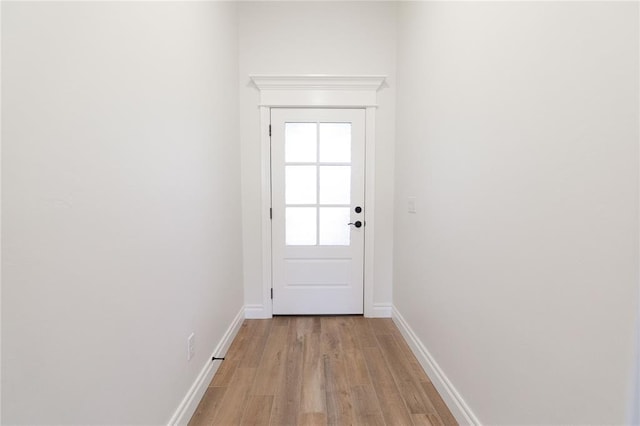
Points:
[(320, 371)]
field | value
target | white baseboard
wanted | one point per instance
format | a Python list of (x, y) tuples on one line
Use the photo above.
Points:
[(190, 402), (381, 310), (458, 407), (255, 312)]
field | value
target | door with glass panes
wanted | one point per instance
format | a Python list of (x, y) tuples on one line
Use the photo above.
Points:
[(317, 166)]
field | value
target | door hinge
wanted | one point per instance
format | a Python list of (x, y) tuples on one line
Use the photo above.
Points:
[(269, 129), (272, 293), (270, 213)]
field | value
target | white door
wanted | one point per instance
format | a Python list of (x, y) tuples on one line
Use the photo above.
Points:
[(317, 166)]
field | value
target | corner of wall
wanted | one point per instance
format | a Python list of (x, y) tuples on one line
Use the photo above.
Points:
[(456, 404), (194, 395)]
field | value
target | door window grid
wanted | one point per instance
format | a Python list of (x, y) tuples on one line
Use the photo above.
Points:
[(327, 227)]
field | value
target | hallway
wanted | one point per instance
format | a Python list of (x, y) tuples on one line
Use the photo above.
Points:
[(321, 370), (151, 210)]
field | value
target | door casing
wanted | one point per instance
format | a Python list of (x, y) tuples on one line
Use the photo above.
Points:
[(316, 91)]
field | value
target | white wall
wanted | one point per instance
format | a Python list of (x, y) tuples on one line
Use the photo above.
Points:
[(316, 38), (0, 213), (518, 134), (121, 207)]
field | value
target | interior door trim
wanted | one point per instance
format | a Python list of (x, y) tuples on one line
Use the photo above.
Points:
[(316, 91), (324, 91)]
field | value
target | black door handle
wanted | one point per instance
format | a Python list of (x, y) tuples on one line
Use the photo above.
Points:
[(357, 224)]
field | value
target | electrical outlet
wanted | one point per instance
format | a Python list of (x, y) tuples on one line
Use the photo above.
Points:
[(411, 204), (191, 348)]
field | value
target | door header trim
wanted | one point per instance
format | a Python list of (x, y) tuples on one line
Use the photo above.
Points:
[(318, 90)]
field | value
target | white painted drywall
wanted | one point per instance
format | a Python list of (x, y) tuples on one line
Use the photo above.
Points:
[(517, 131), (0, 212), (121, 206), (351, 38)]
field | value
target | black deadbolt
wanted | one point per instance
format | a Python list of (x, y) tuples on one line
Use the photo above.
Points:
[(358, 209)]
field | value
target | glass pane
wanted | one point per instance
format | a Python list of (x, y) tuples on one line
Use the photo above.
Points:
[(300, 142), (300, 184), (334, 230), (335, 142), (335, 185), (300, 228)]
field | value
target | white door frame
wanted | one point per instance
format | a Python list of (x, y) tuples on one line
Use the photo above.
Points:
[(317, 91)]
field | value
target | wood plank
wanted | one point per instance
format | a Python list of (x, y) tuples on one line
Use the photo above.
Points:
[(404, 346), (356, 366), (435, 420), (313, 397), (241, 341), (381, 326), (313, 419), (225, 372), (364, 334), (280, 320), (371, 420), (208, 407), (330, 342), (351, 350), (391, 403), (258, 411), (258, 341), (339, 404), (422, 420), (272, 364), (338, 398), (235, 398), (404, 375), (441, 408), (286, 404), (306, 326), (344, 326), (366, 406)]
